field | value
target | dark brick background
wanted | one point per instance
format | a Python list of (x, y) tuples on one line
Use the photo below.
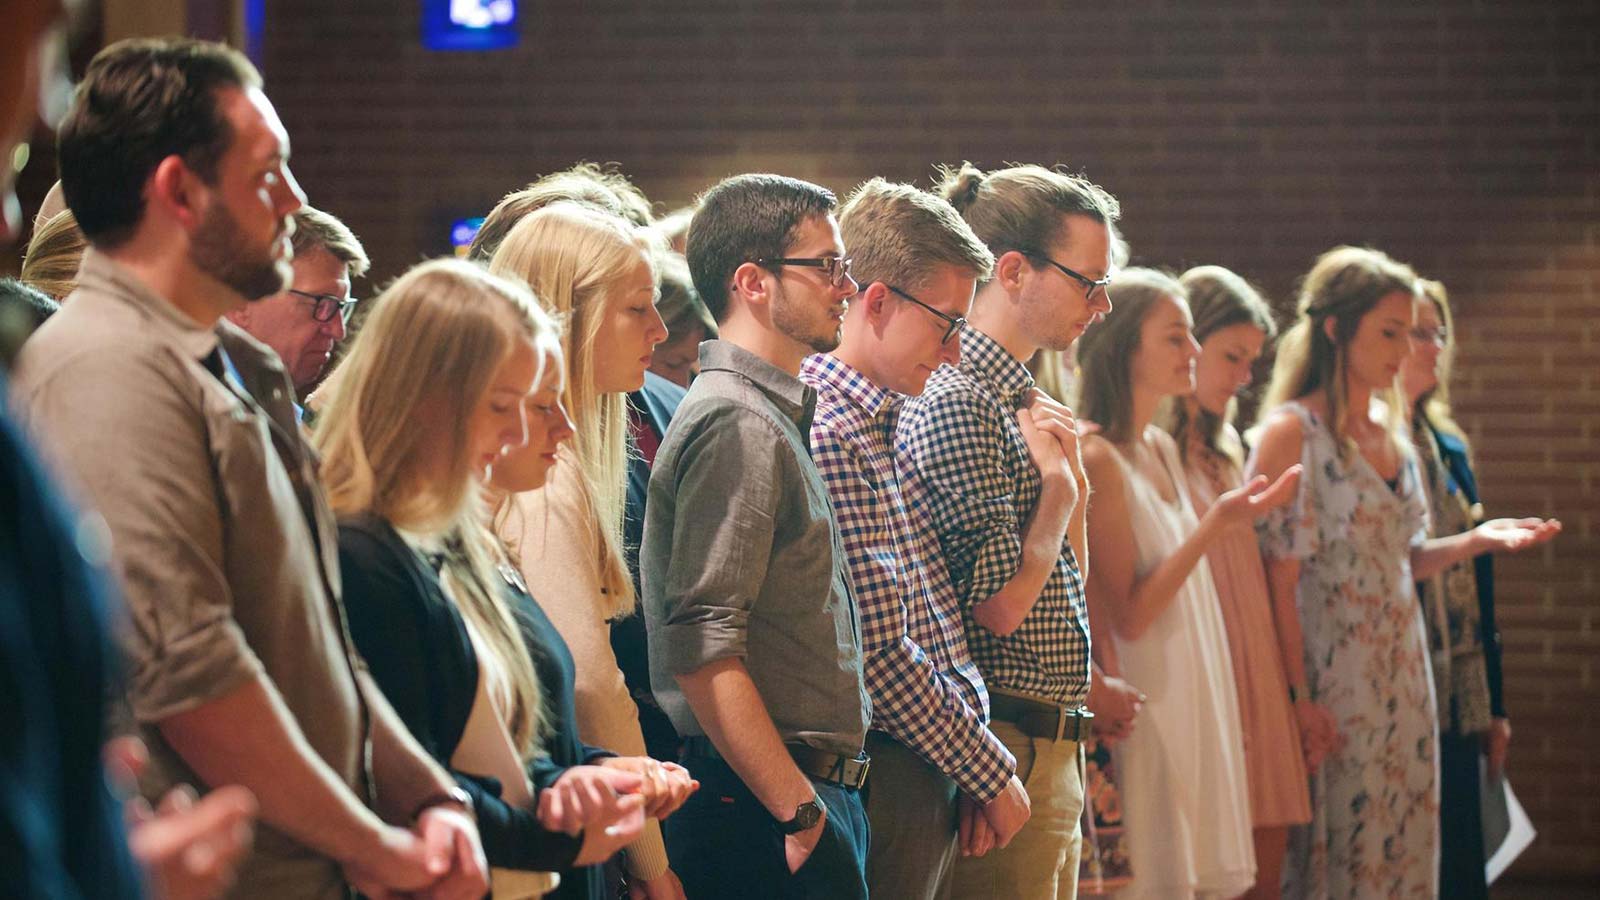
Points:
[(1461, 137)]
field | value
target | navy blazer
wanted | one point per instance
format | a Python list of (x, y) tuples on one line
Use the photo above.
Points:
[(417, 647), (1458, 465)]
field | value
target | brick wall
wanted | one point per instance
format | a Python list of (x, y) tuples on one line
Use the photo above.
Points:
[(1461, 137)]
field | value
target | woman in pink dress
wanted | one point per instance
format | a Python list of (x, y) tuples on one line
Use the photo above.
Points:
[(1233, 325)]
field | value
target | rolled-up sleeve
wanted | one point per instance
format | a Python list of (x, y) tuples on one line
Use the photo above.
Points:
[(725, 486), (134, 441)]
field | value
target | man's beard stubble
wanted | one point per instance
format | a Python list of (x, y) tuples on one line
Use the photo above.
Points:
[(790, 319), (222, 251)]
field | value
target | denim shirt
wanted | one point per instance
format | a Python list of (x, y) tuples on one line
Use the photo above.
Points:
[(742, 556)]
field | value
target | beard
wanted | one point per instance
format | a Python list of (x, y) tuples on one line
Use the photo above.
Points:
[(222, 251), (804, 323)]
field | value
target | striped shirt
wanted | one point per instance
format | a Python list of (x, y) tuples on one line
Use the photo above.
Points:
[(926, 691), (960, 446)]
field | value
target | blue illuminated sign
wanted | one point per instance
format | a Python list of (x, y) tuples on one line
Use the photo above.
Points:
[(469, 24), (462, 231)]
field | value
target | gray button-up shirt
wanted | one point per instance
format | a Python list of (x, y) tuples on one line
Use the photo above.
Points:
[(742, 556), (225, 546)]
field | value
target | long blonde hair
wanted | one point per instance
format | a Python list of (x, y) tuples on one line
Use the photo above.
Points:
[(1218, 299), (428, 350), (54, 253), (1343, 285), (1434, 404), (573, 257)]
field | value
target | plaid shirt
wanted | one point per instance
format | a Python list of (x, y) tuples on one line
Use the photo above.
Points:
[(960, 444), (926, 692)]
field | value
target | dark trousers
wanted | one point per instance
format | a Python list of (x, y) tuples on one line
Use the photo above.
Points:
[(912, 809), (1461, 851), (724, 844)]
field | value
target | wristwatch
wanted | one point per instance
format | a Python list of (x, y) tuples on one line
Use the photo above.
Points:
[(451, 796), (806, 816)]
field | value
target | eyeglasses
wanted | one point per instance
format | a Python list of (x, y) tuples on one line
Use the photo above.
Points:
[(835, 268), (1090, 285), (325, 306), (956, 323)]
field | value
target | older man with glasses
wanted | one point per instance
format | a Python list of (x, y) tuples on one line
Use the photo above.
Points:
[(305, 322)]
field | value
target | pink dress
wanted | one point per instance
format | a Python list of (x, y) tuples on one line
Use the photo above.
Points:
[(1273, 763)]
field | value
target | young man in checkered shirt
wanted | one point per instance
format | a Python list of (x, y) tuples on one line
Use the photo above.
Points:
[(918, 265), (996, 466)]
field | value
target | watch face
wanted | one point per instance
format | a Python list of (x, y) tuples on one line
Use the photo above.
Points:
[(807, 814)]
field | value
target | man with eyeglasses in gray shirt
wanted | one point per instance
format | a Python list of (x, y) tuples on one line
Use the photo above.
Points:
[(754, 636)]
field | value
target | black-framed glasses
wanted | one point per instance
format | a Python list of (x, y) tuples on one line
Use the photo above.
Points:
[(325, 306), (955, 323), (836, 268), (1090, 285)]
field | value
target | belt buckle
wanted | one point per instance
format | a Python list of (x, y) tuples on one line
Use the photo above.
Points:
[(855, 771)]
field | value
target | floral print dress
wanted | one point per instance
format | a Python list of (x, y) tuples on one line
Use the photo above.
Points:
[(1374, 824)]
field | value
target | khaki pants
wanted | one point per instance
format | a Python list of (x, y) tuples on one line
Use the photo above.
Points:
[(1041, 862)]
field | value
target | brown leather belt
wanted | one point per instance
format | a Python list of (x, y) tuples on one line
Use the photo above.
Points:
[(845, 771), (1040, 718)]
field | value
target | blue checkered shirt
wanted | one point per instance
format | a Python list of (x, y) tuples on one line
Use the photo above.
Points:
[(960, 445), (926, 691)]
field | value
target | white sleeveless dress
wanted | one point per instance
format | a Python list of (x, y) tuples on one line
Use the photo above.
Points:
[(1184, 791)]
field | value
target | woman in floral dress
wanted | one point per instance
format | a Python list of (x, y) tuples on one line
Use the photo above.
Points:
[(1349, 547)]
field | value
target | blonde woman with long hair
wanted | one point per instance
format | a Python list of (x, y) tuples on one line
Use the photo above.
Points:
[(597, 272), (1347, 549), (425, 400)]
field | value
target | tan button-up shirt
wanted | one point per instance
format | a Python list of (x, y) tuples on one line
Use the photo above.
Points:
[(227, 550)]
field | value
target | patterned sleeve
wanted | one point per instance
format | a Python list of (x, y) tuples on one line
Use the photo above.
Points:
[(911, 699), (1290, 531), (953, 442)]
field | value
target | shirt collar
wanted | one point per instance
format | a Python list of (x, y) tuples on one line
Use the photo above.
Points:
[(985, 358), (826, 369), (101, 274), (796, 399)]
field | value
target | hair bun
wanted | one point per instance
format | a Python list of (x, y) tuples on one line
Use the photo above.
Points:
[(959, 185)]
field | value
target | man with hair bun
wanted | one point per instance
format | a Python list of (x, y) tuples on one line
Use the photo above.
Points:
[(996, 463), (919, 265)]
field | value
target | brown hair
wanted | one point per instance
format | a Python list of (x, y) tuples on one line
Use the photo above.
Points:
[(141, 101), (1105, 352), (1343, 285), (680, 305), (1021, 208), (896, 234), (1218, 299), (53, 255), (602, 186), (314, 229)]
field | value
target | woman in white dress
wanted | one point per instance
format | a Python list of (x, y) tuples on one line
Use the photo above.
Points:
[(1153, 606)]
